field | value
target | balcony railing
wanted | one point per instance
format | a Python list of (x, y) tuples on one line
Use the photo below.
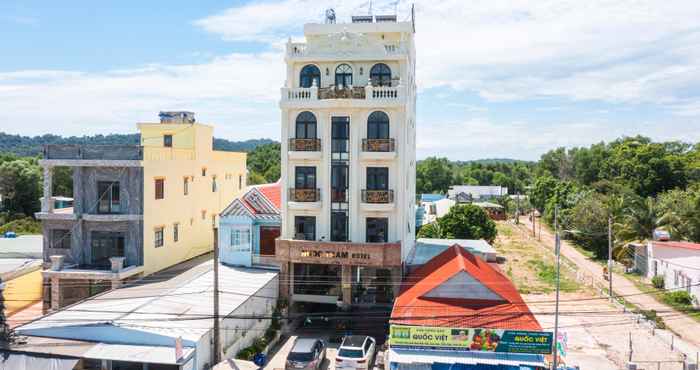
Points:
[(378, 145), (305, 145), (369, 93), (341, 92), (99, 152), (377, 196), (302, 49), (304, 195)]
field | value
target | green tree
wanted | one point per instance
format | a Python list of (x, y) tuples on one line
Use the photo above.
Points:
[(541, 191), (20, 185), (589, 223), (433, 175), (642, 216), (264, 162), (463, 221)]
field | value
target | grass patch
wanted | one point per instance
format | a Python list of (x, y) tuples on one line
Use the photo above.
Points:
[(547, 274), (679, 300), (22, 226)]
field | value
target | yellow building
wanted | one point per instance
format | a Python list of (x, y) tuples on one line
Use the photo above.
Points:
[(137, 208)]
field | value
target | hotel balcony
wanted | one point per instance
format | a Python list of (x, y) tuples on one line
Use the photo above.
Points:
[(377, 200), (304, 149), (302, 51), (378, 149), (308, 199), (351, 96)]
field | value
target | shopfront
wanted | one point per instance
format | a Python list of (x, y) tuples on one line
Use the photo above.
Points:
[(336, 272), (438, 348)]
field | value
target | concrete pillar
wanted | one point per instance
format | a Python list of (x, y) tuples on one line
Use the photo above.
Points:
[(116, 283), (346, 284), (117, 263), (55, 293), (396, 281), (47, 203), (56, 262), (77, 190), (285, 289)]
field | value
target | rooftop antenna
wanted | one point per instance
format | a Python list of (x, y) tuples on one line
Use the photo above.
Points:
[(413, 17), (330, 16)]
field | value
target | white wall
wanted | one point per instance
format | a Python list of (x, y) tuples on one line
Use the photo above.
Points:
[(676, 265), (402, 130)]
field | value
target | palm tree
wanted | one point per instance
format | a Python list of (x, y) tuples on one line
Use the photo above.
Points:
[(642, 217)]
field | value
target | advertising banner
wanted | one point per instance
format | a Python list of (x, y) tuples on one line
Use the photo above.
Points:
[(472, 339)]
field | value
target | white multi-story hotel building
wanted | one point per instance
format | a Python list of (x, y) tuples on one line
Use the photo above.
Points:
[(348, 161)]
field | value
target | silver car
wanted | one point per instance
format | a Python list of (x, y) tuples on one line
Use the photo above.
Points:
[(306, 354)]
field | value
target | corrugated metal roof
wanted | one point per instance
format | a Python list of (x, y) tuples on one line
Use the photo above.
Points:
[(427, 248), (133, 353), (157, 310), (407, 356)]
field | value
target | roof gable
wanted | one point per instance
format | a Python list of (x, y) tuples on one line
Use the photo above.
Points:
[(462, 285), (258, 201), (458, 289)]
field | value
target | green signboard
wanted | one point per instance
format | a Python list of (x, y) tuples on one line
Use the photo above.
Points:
[(472, 339)]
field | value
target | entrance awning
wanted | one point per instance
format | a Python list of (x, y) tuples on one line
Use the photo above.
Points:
[(416, 356), (20, 361)]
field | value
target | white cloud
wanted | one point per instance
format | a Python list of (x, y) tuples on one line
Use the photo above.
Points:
[(610, 50), (236, 91), (479, 138)]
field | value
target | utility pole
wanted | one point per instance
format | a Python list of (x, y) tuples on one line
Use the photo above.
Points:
[(217, 335), (533, 223), (517, 209), (610, 260), (556, 309)]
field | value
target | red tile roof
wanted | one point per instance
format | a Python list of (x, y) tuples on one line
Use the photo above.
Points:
[(273, 193), (414, 307), (684, 245)]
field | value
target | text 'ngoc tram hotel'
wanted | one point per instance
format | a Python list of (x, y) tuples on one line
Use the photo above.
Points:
[(348, 161)]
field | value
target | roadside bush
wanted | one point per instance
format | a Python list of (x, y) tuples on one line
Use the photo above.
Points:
[(658, 282), (25, 225), (270, 334), (246, 354), (653, 317), (678, 298)]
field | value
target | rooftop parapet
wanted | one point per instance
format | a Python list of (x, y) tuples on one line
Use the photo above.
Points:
[(93, 152)]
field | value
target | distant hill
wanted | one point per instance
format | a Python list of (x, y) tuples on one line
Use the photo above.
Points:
[(487, 161), (31, 146)]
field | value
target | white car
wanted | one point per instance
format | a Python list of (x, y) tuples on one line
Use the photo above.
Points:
[(356, 352)]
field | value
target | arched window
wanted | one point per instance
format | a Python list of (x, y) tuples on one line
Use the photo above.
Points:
[(378, 125), (308, 75), (306, 126), (380, 74), (343, 75)]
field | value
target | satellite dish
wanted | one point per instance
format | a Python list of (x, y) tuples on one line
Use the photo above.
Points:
[(330, 16)]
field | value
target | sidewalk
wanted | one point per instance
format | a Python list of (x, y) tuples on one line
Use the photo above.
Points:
[(684, 326)]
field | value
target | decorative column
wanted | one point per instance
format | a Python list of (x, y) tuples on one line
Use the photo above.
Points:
[(47, 203), (55, 293), (346, 282)]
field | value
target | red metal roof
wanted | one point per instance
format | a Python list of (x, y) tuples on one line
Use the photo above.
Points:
[(684, 245), (505, 310), (273, 193)]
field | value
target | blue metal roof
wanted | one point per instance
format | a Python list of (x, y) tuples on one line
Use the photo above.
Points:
[(431, 197)]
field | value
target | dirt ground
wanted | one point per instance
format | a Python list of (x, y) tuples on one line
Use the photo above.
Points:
[(598, 332), (528, 264)]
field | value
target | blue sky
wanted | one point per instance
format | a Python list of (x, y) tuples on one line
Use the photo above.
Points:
[(496, 79)]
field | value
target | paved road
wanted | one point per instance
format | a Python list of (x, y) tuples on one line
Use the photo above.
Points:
[(681, 324)]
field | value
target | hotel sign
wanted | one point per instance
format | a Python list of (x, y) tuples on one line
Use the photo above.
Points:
[(472, 339), (334, 254)]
